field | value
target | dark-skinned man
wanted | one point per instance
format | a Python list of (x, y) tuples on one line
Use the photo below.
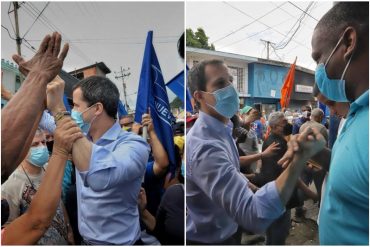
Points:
[(340, 47)]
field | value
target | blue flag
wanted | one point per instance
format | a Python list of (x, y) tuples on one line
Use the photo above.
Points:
[(152, 94), (121, 110), (66, 104), (177, 87)]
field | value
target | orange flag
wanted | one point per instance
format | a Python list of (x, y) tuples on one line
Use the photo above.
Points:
[(287, 88)]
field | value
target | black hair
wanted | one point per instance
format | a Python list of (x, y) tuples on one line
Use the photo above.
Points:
[(100, 89), (197, 77), (344, 14), (180, 46)]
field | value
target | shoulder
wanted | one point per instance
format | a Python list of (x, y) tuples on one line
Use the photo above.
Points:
[(132, 139)]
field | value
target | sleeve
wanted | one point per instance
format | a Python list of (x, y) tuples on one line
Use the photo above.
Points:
[(219, 179), (109, 168), (47, 122)]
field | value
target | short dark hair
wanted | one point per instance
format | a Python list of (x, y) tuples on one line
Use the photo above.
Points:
[(344, 14), (100, 89), (197, 77), (180, 46)]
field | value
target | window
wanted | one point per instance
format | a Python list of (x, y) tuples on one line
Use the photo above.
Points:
[(238, 75), (17, 83)]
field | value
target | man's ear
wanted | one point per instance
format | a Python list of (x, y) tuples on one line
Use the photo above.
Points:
[(99, 108), (198, 96), (350, 40)]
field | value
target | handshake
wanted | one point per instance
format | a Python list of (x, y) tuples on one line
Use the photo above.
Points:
[(67, 131)]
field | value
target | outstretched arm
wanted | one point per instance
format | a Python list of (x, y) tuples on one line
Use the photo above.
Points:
[(20, 117), (31, 226)]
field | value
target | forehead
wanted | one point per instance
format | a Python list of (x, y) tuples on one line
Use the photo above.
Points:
[(126, 120), (39, 137), (78, 96), (216, 75), (318, 43)]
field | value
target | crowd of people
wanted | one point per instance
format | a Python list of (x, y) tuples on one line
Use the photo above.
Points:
[(84, 177), (232, 186), (90, 177)]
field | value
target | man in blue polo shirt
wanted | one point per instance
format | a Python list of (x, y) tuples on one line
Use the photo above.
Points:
[(340, 46)]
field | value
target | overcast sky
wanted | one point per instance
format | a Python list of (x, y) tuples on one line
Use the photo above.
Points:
[(109, 32), (238, 27)]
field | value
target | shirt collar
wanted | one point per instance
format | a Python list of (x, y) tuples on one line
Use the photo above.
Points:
[(112, 134), (361, 101), (214, 123)]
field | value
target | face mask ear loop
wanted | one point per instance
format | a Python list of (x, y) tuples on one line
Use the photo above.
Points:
[(345, 69), (335, 48)]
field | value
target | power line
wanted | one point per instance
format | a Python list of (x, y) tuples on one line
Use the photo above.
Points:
[(299, 22), (288, 13), (303, 11), (47, 4), (244, 26), (10, 19), (250, 36), (10, 36), (53, 28), (269, 27)]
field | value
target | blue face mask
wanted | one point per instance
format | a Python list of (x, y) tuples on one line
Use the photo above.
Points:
[(182, 169), (227, 101), (38, 156), (333, 89), (77, 117)]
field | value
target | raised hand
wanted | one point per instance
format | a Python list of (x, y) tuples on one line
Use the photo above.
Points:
[(305, 145), (47, 61), (252, 116), (270, 150), (54, 95), (147, 121), (66, 133)]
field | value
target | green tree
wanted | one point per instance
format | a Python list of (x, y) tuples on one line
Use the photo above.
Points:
[(198, 39), (177, 103)]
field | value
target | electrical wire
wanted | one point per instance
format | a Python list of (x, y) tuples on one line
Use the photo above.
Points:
[(10, 36), (250, 36), (272, 27), (47, 4), (77, 51), (282, 45), (244, 26), (303, 11), (10, 19)]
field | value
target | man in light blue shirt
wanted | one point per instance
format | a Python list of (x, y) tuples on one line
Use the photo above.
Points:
[(340, 42), (110, 164), (217, 194)]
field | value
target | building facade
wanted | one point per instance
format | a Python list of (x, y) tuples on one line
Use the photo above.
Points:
[(259, 81), (11, 78), (99, 69)]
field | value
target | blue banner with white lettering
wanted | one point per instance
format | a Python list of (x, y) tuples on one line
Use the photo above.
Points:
[(152, 94), (177, 87), (121, 110)]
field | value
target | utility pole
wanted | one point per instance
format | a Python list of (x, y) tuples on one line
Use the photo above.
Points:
[(123, 75), (18, 39), (268, 43)]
